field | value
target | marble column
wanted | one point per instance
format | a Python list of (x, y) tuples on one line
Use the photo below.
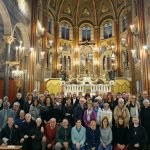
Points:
[(8, 40)]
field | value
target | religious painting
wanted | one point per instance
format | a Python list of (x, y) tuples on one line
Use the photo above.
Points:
[(104, 8), (86, 60)]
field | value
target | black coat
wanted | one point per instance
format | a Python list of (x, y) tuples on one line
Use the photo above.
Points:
[(26, 130), (120, 135), (78, 113), (20, 101), (145, 121), (10, 133), (137, 135), (36, 143)]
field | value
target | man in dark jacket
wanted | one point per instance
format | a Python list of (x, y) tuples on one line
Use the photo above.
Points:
[(92, 136), (137, 136), (79, 110), (63, 136), (18, 99), (25, 133), (9, 134)]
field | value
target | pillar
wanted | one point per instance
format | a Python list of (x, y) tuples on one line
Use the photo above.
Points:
[(33, 43), (8, 40), (145, 63), (130, 47), (56, 48), (76, 53), (117, 48)]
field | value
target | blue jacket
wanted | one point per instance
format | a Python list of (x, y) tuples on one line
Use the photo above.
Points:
[(78, 136)]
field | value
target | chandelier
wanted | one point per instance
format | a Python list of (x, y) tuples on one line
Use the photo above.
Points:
[(17, 74)]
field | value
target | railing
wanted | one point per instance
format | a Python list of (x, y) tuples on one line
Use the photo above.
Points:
[(76, 88)]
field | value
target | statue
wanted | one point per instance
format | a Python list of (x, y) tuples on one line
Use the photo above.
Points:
[(111, 74)]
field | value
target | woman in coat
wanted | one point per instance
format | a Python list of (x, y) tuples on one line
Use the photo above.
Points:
[(37, 134)]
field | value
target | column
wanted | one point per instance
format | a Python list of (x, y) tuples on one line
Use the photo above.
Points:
[(117, 48), (8, 40), (33, 43), (76, 52), (145, 58), (130, 47), (56, 48), (97, 45), (44, 48)]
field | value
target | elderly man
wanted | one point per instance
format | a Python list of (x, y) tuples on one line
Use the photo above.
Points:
[(49, 139), (25, 129), (144, 97), (136, 136), (5, 113), (122, 110), (9, 134), (79, 110)]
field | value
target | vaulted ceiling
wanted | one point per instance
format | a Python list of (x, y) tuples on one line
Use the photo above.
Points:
[(79, 11)]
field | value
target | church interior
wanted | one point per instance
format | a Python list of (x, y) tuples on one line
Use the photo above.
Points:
[(75, 74), (74, 46)]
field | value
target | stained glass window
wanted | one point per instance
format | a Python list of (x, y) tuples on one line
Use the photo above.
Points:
[(107, 31), (86, 34), (65, 32)]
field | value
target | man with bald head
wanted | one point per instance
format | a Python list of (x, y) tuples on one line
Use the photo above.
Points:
[(49, 139)]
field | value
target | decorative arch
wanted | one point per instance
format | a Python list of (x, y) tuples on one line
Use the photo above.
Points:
[(24, 33), (6, 19)]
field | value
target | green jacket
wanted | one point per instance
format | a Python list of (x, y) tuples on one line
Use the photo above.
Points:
[(63, 135)]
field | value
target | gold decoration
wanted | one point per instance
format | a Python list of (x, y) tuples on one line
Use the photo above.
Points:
[(8, 39), (122, 85), (86, 12), (68, 10), (104, 8), (54, 86)]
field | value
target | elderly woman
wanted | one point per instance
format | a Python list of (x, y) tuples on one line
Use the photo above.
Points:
[(145, 116), (122, 110), (89, 114)]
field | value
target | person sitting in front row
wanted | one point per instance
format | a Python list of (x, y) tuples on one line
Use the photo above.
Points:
[(78, 136), (49, 139), (92, 136), (63, 136), (9, 134), (137, 136)]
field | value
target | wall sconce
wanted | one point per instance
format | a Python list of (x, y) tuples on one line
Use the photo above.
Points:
[(31, 49), (40, 29), (133, 51), (51, 43), (147, 48), (17, 73), (134, 30), (42, 55), (76, 49)]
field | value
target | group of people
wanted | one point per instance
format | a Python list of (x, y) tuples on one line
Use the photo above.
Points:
[(100, 122)]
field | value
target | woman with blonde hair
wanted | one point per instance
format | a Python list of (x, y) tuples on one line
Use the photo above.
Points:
[(133, 106)]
